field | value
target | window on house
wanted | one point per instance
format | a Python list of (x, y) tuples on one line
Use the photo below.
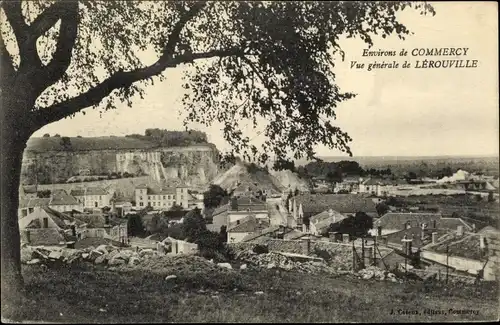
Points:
[(45, 222), (141, 204), (164, 197), (95, 204)]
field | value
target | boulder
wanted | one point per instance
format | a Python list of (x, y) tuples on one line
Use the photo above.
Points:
[(367, 275), (147, 251), (102, 248), (113, 254), (243, 266), (271, 265), (26, 254), (34, 261), (170, 277), (101, 259), (116, 261), (85, 255), (55, 255), (94, 254), (225, 265)]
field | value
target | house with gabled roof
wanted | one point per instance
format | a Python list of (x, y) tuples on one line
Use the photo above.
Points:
[(46, 226), (380, 186), (62, 201), (397, 221), (321, 222), (162, 198), (271, 232), (474, 253), (244, 227), (92, 197), (304, 206), (59, 200), (238, 208)]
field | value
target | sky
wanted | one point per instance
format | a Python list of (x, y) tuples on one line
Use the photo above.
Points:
[(397, 112)]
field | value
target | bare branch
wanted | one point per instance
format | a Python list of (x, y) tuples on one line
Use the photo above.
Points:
[(68, 13)]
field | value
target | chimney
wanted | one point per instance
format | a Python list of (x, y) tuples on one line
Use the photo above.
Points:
[(368, 256), (434, 224), (234, 204), (460, 230), (306, 246), (434, 237), (332, 215), (481, 242)]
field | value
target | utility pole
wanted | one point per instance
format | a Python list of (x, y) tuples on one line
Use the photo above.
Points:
[(447, 254), (406, 253), (363, 252)]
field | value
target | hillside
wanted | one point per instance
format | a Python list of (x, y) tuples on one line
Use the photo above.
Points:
[(290, 180), (52, 160), (243, 175)]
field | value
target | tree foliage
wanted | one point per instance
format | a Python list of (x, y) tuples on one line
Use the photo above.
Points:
[(274, 59), (135, 226), (214, 196), (193, 225), (166, 138), (355, 226)]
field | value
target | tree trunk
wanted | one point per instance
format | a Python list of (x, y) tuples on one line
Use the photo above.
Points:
[(11, 159), (14, 135)]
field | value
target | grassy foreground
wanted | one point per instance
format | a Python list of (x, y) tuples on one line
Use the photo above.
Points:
[(103, 296)]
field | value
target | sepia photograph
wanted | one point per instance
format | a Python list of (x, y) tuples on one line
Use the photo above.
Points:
[(249, 161)]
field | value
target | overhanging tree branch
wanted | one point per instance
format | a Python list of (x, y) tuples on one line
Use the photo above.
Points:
[(68, 13), (124, 79), (49, 18), (119, 80)]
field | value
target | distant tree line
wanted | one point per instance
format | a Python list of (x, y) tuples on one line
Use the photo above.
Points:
[(336, 171), (168, 138)]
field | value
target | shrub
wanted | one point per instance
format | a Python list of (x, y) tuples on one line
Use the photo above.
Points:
[(261, 249)]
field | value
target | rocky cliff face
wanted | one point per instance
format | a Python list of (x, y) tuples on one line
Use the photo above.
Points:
[(193, 165)]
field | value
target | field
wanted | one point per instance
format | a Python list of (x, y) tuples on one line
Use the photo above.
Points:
[(104, 296), (488, 165)]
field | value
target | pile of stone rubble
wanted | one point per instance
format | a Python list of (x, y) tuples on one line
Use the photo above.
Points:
[(277, 260), (373, 272), (103, 254)]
